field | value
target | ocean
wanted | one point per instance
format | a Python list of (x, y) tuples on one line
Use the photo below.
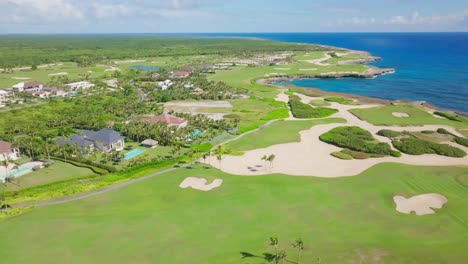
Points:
[(431, 67)]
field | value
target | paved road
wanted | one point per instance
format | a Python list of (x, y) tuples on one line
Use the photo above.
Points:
[(142, 96)]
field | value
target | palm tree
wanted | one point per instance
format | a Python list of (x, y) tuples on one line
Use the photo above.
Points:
[(264, 158), (270, 159), (299, 244), (274, 242), (219, 158), (282, 256)]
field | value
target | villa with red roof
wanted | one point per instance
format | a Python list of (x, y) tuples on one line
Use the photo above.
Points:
[(8, 152), (170, 120)]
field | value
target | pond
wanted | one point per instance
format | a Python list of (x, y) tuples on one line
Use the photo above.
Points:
[(145, 67)]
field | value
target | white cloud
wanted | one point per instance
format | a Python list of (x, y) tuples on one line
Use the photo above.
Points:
[(102, 11), (417, 19), (39, 11), (357, 21)]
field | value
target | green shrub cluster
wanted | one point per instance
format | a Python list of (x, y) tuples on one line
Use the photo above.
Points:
[(300, 110), (427, 132), (95, 167), (389, 133), (462, 141), (357, 139), (341, 155), (443, 131), (453, 117), (361, 155), (415, 146)]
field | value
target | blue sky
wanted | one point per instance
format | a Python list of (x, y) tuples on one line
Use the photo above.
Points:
[(165, 16)]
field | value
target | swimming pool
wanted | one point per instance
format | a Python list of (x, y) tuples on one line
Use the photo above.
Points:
[(133, 153), (196, 133), (15, 171)]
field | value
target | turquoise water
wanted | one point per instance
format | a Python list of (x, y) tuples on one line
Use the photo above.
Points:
[(15, 171), (133, 153), (145, 68), (430, 67), (196, 133)]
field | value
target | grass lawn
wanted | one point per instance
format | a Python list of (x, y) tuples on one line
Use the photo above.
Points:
[(57, 172), (341, 220), (277, 133), (417, 116), (319, 103)]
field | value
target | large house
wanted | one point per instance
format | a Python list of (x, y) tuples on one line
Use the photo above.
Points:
[(170, 120), (30, 87), (8, 152), (80, 85), (104, 140)]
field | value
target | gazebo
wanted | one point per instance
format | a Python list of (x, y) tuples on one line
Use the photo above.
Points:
[(150, 143)]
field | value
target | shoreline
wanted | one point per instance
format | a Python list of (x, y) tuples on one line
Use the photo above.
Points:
[(360, 98)]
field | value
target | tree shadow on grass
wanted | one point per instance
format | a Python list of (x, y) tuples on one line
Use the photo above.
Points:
[(266, 256)]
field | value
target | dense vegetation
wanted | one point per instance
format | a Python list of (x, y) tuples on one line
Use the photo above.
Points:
[(28, 50), (462, 141), (300, 110), (356, 139), (415, 146), (453, 117)]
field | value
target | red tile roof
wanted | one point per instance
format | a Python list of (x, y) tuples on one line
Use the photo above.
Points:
[(31, 84), (166, 118), (5, 147)]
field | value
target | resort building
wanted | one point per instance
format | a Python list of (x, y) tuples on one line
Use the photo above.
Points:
[(80, 85), (104, 140), (30, 87), (8, 152), (149, 143), (4, 95), (170, 120)]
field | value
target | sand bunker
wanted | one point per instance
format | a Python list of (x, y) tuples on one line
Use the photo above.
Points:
[(283, 69), (420, 204), (20, 78), (310, 69), (200, 184), (400, 114), (58, 74)]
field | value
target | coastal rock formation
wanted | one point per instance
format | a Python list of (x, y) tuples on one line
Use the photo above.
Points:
[(360, 61)]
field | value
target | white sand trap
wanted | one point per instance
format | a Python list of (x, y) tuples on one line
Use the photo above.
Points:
[(310, 69), (58, 74), (400, 114), (283, 69), (420, 204), (20, 78), (200, 184)]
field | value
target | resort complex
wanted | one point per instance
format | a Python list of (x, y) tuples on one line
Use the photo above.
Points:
[(232, 147)]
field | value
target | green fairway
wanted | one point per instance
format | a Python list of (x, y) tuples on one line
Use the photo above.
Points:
[(342, 220), (277, 133), (417, 116), (56, 172)]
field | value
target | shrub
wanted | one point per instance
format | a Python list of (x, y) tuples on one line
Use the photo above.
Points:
[(36, 168), (342, 155), (389, 133), (443, 131), (428, 132), (357, 139), (300, 110), (462, 141), (453, 117), (415, 146)]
